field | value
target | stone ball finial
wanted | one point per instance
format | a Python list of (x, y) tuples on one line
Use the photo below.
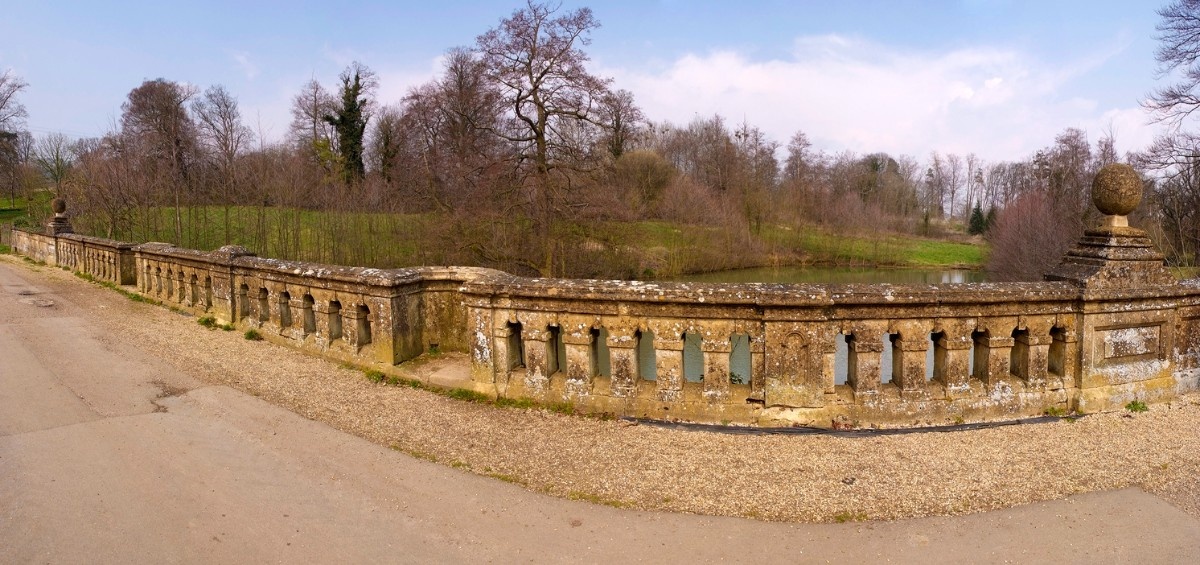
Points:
[(59, 206), (1117, 189)]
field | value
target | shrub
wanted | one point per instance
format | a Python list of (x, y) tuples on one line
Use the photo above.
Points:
[(1137, 406)]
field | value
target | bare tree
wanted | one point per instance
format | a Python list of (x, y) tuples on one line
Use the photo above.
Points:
[(12, 112), (225, 136), (1178, 51), (449, 135), (155, 119), (623, 120), (311, 134), (1014, 256), (12, 118), (55, 158), (538, 61)]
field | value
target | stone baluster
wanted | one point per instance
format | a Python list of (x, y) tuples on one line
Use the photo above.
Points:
[(668, 358), (716, 367), (580, 364), (909, 349), (622, 351), (864, 359), (952, 357), (538, 353)]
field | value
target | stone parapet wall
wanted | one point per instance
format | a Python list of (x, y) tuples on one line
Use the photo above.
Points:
[(763, 353), (813, 354), (103, 259), (34, 246)]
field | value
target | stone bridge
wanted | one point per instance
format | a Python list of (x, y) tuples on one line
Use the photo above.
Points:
[(1108, 326)]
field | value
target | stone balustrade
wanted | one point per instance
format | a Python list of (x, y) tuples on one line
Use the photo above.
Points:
[(1110, 325), (104, 259)]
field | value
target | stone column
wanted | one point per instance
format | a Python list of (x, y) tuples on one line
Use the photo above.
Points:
[(952, 357), (538, 352), (668, 355), (622, 353), (908, 364), (716, 369), (579, 364), (864, 357)]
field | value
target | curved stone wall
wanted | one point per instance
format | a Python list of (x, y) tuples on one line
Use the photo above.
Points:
[(855, 355)]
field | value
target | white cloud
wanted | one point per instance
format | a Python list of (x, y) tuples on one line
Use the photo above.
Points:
[(243, 61), (849, 94)]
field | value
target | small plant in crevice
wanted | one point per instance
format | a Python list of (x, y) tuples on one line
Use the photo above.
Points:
[(208, 322), (1054, 411), (736, 379), (375, 376), (253, 335), (468, 395), (1137, 406)]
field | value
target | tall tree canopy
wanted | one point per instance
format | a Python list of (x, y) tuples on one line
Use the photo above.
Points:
[(536, 58)]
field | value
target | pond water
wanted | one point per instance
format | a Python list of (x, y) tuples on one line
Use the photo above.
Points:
[(838, 275)]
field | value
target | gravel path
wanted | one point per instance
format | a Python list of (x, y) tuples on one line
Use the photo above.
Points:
[(784, 478)]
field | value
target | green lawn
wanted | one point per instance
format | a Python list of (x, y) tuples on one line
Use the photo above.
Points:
[(606, 249)]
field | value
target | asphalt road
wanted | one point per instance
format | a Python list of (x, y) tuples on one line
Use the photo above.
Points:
[(108, 455)]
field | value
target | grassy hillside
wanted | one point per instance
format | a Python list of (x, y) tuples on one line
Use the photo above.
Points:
[(600, 249)]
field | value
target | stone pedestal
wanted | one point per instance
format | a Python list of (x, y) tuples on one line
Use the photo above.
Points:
[(1113, 257), (59, 224), (1125, 352)]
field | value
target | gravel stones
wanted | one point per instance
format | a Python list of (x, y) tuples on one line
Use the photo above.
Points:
[(785, 478)]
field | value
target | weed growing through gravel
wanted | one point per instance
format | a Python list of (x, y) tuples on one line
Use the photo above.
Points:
[(112, 286), (253, 335), (596, 499), (208, 322), (518, 403), (506, 478), (1136, 406), (467, 395), (843, 517), (1055, 411), (375, 376)]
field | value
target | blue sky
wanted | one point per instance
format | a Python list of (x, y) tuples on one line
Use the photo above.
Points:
[(996, 78)]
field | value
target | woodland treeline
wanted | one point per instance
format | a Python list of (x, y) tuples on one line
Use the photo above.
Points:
[(518, 157)]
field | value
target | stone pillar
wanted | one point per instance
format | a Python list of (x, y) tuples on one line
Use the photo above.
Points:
[(668, 355), (952, 358), (622, 353), (864, 357), (716, 369), (579, 364), (908, 365), (1037, 349), (998, 355), (538, 353), (1125, 343), (506, 353)]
